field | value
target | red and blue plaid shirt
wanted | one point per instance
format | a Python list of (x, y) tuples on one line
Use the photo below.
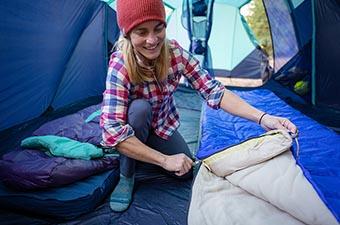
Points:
[(165, 119)]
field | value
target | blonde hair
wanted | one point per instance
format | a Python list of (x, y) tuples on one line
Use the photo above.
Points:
[(137, 73)]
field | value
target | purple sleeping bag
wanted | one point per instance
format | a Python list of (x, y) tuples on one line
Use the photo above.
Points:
[(73, 126), (25, 169), (33, 169)]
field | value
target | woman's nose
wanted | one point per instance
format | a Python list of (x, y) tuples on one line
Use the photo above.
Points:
[(151, 39)]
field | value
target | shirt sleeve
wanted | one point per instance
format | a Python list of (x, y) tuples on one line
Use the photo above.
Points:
[(113, 119), (210, 89)]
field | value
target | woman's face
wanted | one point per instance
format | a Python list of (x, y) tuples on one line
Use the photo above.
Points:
[(148, 38)]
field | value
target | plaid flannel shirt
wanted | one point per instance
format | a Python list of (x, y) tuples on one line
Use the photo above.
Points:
[(165, 119)]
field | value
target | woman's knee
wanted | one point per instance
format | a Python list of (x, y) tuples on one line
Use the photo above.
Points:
[(139, 112)]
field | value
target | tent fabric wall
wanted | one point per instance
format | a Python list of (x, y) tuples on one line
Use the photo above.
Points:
[(302, 18), (326, 71), (296, 3), (284, 40), (175, 29), (112, 28), (229, 42), (78, 77), (230, 47), (47, 61), (298, 68), (48, 57), (233, 55)]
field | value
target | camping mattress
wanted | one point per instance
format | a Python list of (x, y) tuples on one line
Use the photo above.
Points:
[(319, 149), (64, 202)]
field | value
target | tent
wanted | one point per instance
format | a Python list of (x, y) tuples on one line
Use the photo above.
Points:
[(230, 52), (297, 30), (62, 78), (54, 54)]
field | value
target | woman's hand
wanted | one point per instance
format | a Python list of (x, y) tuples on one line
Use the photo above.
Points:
[(179, 163), (270, 122)]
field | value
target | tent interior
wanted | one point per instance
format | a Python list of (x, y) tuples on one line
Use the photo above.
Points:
[(54, 57)]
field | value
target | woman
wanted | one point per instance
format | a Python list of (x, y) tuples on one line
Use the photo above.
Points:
[(139, 117)]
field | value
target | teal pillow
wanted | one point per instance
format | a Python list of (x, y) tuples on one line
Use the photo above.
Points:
[(62, 146)]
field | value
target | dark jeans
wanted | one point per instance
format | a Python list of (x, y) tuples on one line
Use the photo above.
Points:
[(140, 117)]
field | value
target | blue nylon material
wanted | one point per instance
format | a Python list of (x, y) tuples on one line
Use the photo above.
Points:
[(52, 53), (64, 202), (319, 146), (327, 66)]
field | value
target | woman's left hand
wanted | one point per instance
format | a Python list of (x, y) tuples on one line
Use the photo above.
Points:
[(270, 122)]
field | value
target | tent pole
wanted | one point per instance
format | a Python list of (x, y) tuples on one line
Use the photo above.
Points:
[(313, 53)]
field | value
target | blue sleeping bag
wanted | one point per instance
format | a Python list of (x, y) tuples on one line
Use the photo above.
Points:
[(319, 155)]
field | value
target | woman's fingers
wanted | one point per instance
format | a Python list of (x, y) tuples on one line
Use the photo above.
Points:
[(287, 124), (272, 122), (185, 164), (179, 163)]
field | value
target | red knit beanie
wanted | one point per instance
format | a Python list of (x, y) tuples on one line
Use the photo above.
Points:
[(131, 13)]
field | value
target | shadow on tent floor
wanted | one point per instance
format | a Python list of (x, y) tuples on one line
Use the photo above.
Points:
[(158, 198)]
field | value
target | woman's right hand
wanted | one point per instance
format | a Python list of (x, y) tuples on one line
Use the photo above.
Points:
[(179, 163)]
